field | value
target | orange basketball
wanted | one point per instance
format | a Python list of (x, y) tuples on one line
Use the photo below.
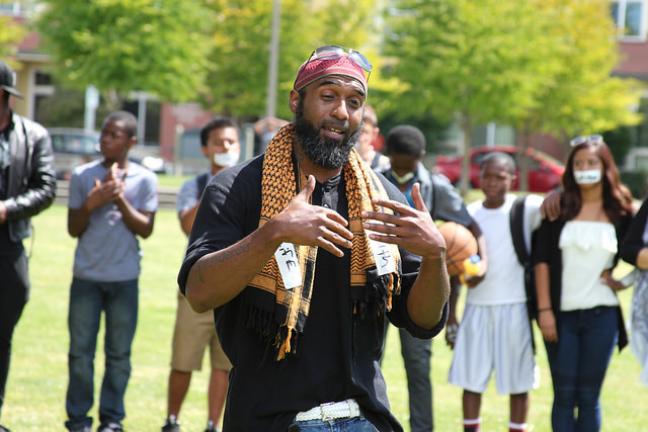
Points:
[(460, 244)]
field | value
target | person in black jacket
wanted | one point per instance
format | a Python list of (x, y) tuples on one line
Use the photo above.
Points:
[(578, 310), (27, 186)]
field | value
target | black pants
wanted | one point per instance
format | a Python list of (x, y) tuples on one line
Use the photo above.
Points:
[(14, 291)]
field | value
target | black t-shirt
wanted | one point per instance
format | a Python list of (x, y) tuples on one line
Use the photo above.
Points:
[(337, 356)]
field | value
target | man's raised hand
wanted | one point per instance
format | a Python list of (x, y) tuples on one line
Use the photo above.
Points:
[(302, 223), (409, 228)]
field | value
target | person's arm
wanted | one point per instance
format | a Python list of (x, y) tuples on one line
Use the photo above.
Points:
[(139, 217), (453, 322), (187, 204), (550, 207), (77, 221), (642, 259), (541, 254), (430, 292), (476, 231), (299, 223), (546, 318), (139, 222), (414, 230), (633, 250), (41, 187), (187, 218)]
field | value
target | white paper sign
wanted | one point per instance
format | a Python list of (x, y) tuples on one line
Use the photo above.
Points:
[(286, 256), (385, 262)]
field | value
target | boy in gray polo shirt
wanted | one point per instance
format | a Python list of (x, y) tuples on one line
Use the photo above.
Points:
[(112, 201)]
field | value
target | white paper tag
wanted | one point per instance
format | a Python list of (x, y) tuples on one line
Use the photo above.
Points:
[(286, 256), (383, 257)]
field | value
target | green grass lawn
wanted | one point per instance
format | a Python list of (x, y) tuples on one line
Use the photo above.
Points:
[(171, 181), (38, 377)]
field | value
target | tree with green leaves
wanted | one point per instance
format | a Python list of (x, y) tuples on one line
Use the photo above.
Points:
[(480, 60), (237, 82), (11, 33), (119, 46), (583, 97)]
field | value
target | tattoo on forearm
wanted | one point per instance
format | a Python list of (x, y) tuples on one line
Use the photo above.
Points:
[(242, 260), (232, 252), (224, 255)]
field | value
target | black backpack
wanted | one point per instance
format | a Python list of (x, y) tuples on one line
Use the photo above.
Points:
[(523, 255), (516, 218)]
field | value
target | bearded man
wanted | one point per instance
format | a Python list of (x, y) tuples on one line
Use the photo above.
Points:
[(303, 253)]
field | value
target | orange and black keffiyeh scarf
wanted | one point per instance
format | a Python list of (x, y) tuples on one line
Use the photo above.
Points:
[(279, 185)]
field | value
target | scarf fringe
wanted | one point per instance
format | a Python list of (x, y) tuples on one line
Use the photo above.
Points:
[(262, 322), (285, 346), (378, 295), (374, 300)]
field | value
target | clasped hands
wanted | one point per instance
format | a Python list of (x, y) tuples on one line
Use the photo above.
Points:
[(108, 190)]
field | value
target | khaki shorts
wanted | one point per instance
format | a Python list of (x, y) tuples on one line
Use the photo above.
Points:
[(193, 332)]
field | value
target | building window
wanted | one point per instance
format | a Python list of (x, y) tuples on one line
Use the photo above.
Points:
[(43, 89), (630, 18), (11, 8)]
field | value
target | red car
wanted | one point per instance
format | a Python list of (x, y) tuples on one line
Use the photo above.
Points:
[(544, 171)]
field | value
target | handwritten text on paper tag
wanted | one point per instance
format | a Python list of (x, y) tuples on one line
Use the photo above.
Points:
[(385, 262), (288, 261)]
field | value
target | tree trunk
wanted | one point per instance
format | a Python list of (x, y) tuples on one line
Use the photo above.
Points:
[(564, 144), (464, 180), (112, 101), (523, 161)]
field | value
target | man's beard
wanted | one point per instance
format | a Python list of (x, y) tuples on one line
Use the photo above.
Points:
[(325, 152)]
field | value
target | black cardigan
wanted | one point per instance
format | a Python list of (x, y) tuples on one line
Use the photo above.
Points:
[(633, 241), (546, 250)]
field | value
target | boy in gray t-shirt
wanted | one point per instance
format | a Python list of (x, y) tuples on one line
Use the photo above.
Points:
[(112, 201)]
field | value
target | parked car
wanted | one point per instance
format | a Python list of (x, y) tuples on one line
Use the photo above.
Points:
[(544, 171), (74, 147)]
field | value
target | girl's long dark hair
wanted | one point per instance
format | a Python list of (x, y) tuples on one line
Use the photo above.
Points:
[(617, 199)]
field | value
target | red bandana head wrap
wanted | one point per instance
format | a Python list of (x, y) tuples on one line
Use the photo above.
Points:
[(318, 68)]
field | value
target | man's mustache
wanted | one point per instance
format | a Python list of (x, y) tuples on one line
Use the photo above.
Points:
[(341, 126)]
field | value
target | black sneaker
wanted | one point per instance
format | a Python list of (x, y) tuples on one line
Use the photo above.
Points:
[(211, 427), (4, 429), (110, 427), (83, 429), (171, 424)]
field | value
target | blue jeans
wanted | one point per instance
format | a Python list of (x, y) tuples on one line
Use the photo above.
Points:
[(357, 424), (119, 302), (578, 363)]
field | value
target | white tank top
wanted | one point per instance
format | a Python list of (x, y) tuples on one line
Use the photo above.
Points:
[(588, 248)]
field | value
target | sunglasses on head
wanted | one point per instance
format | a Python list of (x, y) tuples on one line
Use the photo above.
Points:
[(592, 139), (332, 52)]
